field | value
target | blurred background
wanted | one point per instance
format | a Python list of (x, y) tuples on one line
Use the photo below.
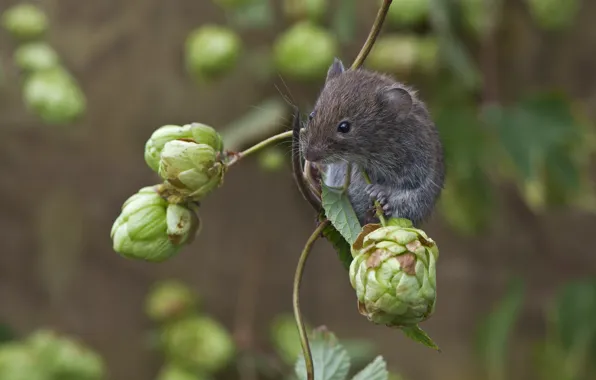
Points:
[(510, 84)]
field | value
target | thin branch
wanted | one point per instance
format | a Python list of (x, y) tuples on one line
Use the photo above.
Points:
[(255, 148), (310, 371), (372, 36), (296, 167)]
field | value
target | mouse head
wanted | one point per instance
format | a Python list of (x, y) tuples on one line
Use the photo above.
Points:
[(356, 114)]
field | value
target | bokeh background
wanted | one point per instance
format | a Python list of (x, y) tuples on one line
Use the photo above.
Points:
[(511, 86)]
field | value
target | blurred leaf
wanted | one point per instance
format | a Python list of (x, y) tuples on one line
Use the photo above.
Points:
[(342, 247), (361, 352), (417, 334), (330, 359), (60, 229), (340, 213), (494, 332), (574, 315), (6, 333), (550, 362), (256, 14), (533, 129), (285, 338), (377, 370), (344, 21), (453, 52), (262, 121)]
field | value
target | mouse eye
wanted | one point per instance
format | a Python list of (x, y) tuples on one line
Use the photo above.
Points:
[(343, 127), (312, 114)]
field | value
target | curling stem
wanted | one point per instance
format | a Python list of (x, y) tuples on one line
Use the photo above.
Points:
[(255, 148), (310, 370), (372, 36), (378, 207)]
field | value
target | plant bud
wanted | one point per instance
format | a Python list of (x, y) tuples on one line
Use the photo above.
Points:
[(199, 133), (63, 358), (25, 21), (191, 168), (143, 231), (36, 56), (212, 51), (305, 51), (393, 273), (170, 300), (19, 362), (54, 96), (198, 344)]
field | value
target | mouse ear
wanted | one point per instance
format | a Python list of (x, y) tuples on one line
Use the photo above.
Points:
[(399, 99), (336, 68)]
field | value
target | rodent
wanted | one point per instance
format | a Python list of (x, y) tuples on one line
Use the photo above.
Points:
[(376, 123)]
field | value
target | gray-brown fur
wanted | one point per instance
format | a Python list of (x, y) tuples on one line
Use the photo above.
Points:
[(391, 136)]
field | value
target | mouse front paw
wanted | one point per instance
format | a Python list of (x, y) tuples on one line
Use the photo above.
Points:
[(376, 192)]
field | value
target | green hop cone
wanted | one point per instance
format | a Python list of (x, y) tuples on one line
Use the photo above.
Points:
[(169, 300), (25, 21), (313, 10), (393, 273), (19, 362), (394, 53), (36, 56), (149, 228), (272, 159), (54, 96), (408, 12), (199, 133), (66, 359), (554, 14), (172, 372), (212, 51), (198, 344), (305, 51), (191, 170)]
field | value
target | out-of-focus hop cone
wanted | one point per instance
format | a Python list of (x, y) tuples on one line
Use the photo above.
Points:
[(149, 228), (393, 273), (170, 300), (188, 158)]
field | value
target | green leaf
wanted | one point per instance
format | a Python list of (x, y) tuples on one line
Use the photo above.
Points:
[(330, 359), (377, 370), (417, 334), (533, 129), (6, 333), (262, 121), (361, 352), (342, 247), (494, 332), (344, 22), (340, 213)]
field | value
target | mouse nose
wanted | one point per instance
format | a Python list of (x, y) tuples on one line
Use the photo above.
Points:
[(313, 154)]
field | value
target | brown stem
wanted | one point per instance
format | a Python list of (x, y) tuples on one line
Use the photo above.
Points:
[(372, 36), (296, 167)]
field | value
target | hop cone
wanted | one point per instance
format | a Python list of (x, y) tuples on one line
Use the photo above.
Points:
[(393, 273), (170, 300), (19, 362)]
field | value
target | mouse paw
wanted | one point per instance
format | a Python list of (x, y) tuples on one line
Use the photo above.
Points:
[(376, 192)]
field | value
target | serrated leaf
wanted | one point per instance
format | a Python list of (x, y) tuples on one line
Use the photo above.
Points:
[(330, 359), (344, 21), (494, 332), (342, 247), (340, 212), (261, 121), (417, 334), (377, 370)]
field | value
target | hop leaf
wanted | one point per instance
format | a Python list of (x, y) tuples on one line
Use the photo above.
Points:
[(330, 359), (377, 370), (150, 229), (198, 344), (169, 300), (394, 276), (340, 213)]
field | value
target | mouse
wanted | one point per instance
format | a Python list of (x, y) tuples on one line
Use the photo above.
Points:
[(373, 122)]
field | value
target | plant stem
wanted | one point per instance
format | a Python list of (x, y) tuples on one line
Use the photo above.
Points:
[(255, 148), (372, 36), (310, 371), (380, 214)]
